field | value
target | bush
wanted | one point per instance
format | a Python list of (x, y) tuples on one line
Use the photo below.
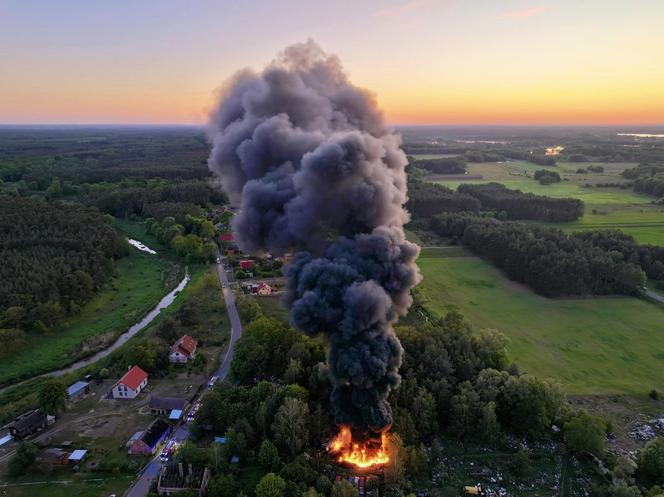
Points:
[(654, 394)]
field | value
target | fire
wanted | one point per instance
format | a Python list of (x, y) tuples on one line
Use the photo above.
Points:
[(361, 455)]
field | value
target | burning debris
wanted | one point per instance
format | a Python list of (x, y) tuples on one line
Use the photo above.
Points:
[(366, 455), (317, 173)]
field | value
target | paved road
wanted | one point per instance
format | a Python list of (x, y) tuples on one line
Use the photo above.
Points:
[(655, 296), (142, 485)]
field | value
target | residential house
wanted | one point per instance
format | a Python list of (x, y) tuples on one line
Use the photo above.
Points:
[(131, 384), (184, 350), (77, 391), (263, 289), (27, 423), (226, 237), (151, 438), (162, 406), (246, 264)]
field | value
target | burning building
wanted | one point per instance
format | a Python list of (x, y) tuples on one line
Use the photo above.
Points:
[(315, 171)]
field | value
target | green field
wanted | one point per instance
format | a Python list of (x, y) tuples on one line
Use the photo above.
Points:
[(604, 345), (606, 208), (141, 280)]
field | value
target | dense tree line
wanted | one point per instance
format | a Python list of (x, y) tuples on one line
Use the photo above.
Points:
[(54, 256), (139, 200), (426, 199), (518, 205), (443, 165), (546, 177), (546, 259), (649, 178), (542, 160), (102, 155), (456, 382), (622, 246)]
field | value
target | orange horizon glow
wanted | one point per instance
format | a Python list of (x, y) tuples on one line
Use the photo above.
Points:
[(428, 61)]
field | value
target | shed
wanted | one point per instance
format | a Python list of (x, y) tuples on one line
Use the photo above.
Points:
[(27, 423), (134, 437), (77, 456), (246, 264), (163, 406), (220, 440), (175, 415), (77, 390)]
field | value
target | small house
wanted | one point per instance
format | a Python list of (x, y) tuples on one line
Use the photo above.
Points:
[(151, 438), (162, 406), (131, 384), (246, 264), (184, 350), (226, 237), (27, 423), (77, 391), (263, 289)]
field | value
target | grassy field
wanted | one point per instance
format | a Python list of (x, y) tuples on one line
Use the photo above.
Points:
[(592, 346), (141, 280), (606, 208), (62, 484)]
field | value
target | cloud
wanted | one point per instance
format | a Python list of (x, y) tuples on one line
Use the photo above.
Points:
[(405, 8), (524, 13)]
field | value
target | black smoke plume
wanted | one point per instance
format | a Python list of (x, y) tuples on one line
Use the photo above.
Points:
[(317, 173)]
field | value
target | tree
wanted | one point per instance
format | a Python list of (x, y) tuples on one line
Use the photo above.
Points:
[(623, 489), (425, 407), (650, 462), (268, 455), (520, 464), (52, 396), (585, 433), (271, 485), (24, 457), (344, 489), (223, 486), (290, 425)]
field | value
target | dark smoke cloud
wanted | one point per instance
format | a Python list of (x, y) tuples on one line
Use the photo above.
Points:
[(316, 172)]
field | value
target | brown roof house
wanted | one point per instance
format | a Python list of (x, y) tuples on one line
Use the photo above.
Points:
[(184, 350)]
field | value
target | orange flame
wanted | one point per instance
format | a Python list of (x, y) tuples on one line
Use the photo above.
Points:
[(360, 455)]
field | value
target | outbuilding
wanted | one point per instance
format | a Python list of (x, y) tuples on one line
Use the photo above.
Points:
[(77, 391)]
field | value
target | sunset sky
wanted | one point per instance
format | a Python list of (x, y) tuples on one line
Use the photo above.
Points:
[(428, 61)]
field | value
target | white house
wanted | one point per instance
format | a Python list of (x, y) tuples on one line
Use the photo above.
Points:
[(183, 350), (131, 384)]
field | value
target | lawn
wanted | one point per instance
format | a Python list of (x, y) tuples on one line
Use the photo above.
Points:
[(603, 345), (644, 222), (64, 483), (141, 280)]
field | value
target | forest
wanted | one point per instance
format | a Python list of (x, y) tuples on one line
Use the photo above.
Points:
[(443, 165), (426, 199), (549, 261), (54, 257), (527, 206)]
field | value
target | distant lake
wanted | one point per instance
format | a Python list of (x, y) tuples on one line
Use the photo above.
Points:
[(640, 135)]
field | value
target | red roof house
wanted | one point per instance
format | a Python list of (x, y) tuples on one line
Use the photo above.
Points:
[(246, 264), (226, 237), (131, 384), (183, 350)]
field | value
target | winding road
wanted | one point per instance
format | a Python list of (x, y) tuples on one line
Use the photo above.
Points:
[(150, 472)]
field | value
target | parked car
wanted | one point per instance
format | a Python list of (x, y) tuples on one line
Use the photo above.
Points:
[(168, 451), (212, 381), (192, 412)]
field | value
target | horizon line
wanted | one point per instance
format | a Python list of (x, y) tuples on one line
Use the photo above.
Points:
[(396, 125)]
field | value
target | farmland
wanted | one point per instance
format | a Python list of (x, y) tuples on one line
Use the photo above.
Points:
[(605, 345), (606, 207)]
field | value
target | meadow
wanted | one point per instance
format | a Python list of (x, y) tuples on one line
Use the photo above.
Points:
[(608, 345), (140, 281), (606, 208)]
